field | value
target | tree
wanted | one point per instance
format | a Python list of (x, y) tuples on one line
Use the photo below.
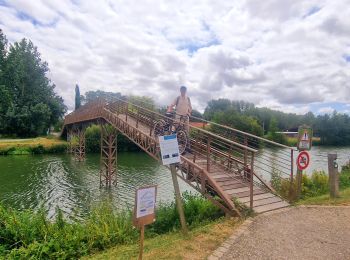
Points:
[(77, 97), (109, 96), (3, 51), (28, 104)]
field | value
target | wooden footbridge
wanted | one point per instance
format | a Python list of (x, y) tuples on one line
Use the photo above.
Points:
[(225, 164)]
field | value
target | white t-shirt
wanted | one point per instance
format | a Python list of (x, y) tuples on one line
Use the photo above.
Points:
[(183, 105)]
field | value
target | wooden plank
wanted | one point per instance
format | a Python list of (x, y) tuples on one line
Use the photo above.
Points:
[(241, 190), (264, 201), (218, 176), (223, 179), (233, 186), (246, 193), (269, 207), (228, 181), (257, 197)]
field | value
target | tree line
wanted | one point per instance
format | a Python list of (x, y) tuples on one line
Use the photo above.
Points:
[(28, 102), (333, 129)]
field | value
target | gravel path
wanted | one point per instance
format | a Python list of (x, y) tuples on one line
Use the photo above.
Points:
[(297, 233)]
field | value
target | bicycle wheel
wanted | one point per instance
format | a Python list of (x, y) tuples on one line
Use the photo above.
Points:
[(158, 128), (182, 139)]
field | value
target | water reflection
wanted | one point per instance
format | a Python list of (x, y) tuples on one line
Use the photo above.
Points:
[(50, 181)]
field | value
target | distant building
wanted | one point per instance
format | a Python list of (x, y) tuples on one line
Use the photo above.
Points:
[(289, 133)]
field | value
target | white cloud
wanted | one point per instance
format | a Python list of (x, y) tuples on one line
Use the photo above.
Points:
[(282, 54), (326, 110)]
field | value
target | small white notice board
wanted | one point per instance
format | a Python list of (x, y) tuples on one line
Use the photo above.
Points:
[(146, 200), (169, 149)]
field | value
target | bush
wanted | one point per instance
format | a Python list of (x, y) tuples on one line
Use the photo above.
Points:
[(29, 235)]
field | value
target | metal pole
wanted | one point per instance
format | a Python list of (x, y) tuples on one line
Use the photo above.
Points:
[(208, 154), (178, 199), (251, 180), (299, 181)]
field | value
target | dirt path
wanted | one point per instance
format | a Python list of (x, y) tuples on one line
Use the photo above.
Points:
[(296, 233)]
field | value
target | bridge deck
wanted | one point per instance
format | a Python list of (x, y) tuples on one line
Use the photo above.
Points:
[(232, 184)]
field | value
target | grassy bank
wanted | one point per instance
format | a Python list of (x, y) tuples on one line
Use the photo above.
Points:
[(37, 145), (312, 186), (28, 234), (342, 200), (198, 244)]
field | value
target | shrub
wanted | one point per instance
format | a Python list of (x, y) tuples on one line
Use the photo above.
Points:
[(30, 235)]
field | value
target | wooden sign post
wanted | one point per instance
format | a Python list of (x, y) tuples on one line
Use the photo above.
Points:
[(169, 149), (144, 211)]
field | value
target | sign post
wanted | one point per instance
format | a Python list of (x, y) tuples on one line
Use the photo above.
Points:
[(304, 144), (303, 161), (144, 211), (169, 150)]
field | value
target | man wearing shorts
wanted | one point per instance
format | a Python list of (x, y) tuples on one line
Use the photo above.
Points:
[(183, 107)]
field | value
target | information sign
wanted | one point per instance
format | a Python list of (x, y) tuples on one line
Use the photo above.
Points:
[(145, 201), (304, 138), (169, 149)]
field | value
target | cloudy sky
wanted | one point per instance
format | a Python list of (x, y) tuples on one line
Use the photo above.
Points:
[(288, 55)]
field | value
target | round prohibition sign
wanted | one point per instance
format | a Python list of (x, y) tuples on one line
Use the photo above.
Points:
[(303, 160)]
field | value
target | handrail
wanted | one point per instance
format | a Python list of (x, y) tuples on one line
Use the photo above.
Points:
[(197, 128), (244, 133), (236, 130)]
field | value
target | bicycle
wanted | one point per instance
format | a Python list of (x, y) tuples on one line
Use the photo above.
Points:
[(169, 126)]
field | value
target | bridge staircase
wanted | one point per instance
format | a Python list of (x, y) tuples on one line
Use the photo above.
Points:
[(223, 165)]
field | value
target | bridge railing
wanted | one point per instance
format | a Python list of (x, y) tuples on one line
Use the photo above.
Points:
[(272, 160)]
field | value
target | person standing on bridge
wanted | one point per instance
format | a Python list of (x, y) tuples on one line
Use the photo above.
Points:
[(183, 107)]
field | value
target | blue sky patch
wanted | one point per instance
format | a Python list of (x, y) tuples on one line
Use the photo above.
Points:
[(347, 57), (312, 11), (25, 17), (320, 108), (194, 47)]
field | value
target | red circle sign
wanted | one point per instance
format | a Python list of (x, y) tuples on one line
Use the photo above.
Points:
[(303, 160)]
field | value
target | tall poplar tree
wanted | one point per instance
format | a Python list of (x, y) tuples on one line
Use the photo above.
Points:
[(77, 97)]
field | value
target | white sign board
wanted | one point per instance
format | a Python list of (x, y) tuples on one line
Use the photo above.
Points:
[(169, 149), (145, 201)]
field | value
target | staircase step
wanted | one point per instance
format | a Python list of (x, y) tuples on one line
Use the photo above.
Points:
[(247, 193), (264, 201), (233, 186), (257, 197), (230, 182), (239, 190), (269, 207)]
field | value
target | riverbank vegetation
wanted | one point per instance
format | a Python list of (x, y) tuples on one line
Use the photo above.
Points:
[(200, 242), (27, 234), (39, 145), (312, 186), (333, 129)]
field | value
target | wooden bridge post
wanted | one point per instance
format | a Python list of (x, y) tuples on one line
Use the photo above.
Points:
[(70, 135), (79, 150), (108, 171)]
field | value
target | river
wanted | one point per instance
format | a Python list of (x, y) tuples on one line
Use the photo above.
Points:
[(48, 181)]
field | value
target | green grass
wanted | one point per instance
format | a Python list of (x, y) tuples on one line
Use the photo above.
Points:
[(198, 244), (37, 145), (343, 199)]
